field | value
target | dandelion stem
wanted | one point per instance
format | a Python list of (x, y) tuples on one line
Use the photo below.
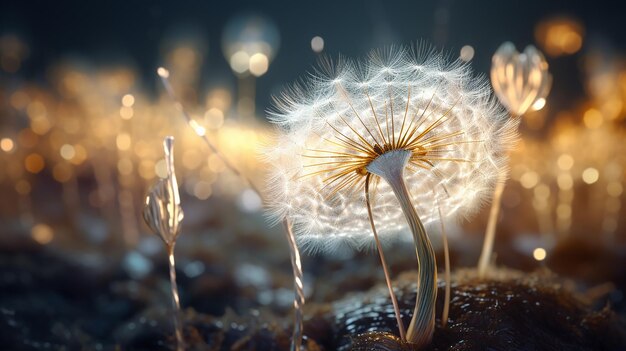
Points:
[(175, 299), (390, 166), (490, 234), (298, 302), (383, 262), (446, 275)]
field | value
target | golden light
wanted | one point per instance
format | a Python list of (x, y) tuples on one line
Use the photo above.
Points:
[(202, 190), (240, 62), (67, 151), (565, 162), (71, 125), (214, 118), (614, 188), (36, 109), (62, 172), (7, 144), (200, 130), (160, 169), (593, 118), (219, 98), (590, 175), (613, 204), (529, 179), (542, 191), (192, 159), (80, 155), (216, 164), (19, 100), (128, 100), (564, 211), (185, 56), (565, 181), (34, 163), (560, 36), (539, 104), (123, 141), (258, 65), (539, 254), (42, 234), (146, 169), (467, 53), (142, 149), (40, 124), (126, 112), (125, 166)]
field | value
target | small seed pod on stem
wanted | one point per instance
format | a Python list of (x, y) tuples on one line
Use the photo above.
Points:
[(294, 251), (163, 214), (519, 80)]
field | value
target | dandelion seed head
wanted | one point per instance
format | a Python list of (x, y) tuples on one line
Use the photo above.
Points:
[(334, 124)]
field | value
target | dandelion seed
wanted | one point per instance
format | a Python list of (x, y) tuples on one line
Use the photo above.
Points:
[(427, 128)]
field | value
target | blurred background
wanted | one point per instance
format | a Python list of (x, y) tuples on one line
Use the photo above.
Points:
[(83, 115)]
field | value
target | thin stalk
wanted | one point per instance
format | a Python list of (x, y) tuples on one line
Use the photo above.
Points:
[(175, 299), (164, 74), (490, 234), (383, 262), (390, 167), (298, 302), (446, 275)]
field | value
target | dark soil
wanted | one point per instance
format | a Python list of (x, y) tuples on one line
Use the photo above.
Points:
[(50, 302)]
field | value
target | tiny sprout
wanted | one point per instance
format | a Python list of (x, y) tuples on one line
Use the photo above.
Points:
[(164, 215)]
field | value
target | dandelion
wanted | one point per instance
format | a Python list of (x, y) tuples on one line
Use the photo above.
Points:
[(164, 215), (400, 128)]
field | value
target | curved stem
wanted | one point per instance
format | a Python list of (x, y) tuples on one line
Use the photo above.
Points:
[(383, 262), (390, 166), (175, 299), (298, 302), (490, 234), (446, 275)]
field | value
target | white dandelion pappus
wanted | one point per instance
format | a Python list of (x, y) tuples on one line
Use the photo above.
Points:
[(330, 126), (430, 130)]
